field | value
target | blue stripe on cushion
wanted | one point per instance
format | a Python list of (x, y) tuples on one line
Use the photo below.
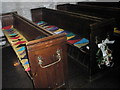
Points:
[(84, 40)]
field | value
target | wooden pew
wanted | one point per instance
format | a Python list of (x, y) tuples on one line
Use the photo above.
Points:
[(45, 56), (100, 11), (83, 25), (103, 4), (93, 10)]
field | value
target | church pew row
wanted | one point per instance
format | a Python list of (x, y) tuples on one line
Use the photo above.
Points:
[(92, 10), (93, 29)]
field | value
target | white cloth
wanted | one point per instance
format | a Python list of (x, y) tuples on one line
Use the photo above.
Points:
[(103, 44)]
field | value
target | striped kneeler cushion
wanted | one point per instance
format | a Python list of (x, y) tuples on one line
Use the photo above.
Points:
[(72, 38), (17, 42)]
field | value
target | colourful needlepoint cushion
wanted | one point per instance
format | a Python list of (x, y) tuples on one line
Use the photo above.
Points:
[(20, 45), (12, 34), (8, 27), (26, 63), (40, 23), (67, 32), (24, 52), (73, 41), (70, 37), (20, 42), (70, 34), (117, 31), (76, 37), (58, 32), (46, 26), (17, 40), (25, 57), (83, 40), (9, 30), (21, 49), (15, 37), (50, 26), (80, 45), (52, 29), (28, 69)]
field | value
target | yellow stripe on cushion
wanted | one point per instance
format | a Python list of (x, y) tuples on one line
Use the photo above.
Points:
[(80, 45), (117, 31), (70, 37), (59, 30)]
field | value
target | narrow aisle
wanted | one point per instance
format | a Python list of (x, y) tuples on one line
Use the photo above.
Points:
[(13, 77)]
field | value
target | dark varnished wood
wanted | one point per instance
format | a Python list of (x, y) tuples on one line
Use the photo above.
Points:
[(101, 30), (81, 24), (53, 76), (30, 31), (103, 4), (93, 10), (63, 20), (45, 47), (7, 19)]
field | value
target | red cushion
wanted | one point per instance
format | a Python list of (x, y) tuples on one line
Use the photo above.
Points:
[(73, 41), (7, 27)]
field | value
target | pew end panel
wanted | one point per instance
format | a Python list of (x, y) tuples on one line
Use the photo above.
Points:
[(7, 19), (99, 32), (49, 55)]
